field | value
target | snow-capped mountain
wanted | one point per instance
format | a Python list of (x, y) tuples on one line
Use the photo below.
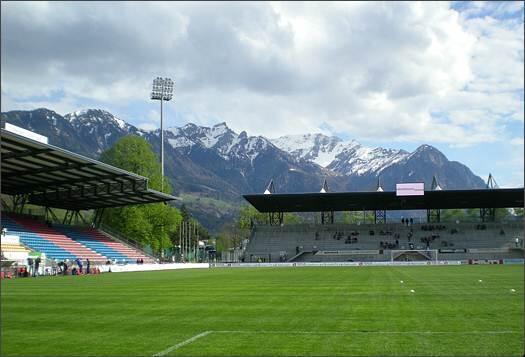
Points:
[(219, 138), (318, 148), (93, 118), (99, 128), (343, 157), (216, 162)]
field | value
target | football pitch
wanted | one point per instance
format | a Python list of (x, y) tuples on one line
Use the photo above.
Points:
[(326, 311)]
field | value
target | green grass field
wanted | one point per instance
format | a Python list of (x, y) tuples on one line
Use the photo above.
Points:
[(269, 311)]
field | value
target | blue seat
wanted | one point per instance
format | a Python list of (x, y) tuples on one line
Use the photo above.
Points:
[(35, 241), (92, 243)]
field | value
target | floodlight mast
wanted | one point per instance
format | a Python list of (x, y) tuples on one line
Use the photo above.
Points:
[(162, 90)]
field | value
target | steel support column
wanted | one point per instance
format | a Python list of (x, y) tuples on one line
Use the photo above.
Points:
[(434, 215), (487, 214), (98, 217), (275, 218), (327, 217), (49, 212)]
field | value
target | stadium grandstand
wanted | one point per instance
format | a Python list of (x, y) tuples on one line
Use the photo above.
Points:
[(401, 240), (38, 174)]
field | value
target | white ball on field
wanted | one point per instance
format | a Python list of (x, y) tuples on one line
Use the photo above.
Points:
[(401, 281), (412, 291), (480, 280), (512, 290)]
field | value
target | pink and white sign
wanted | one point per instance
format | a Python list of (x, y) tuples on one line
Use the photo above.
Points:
[(410, 189)]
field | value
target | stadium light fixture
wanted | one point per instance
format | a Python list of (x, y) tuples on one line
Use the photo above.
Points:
[(162, 90)]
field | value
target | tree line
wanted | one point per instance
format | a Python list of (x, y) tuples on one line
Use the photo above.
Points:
[(154, 225)]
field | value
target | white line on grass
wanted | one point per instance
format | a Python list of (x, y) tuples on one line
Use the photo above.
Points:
[(205, 333), (362, 331), (183, 343)]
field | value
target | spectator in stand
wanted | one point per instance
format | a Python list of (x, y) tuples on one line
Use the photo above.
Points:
[(65, 268), (517, 241), (411, 221), (141, 261)]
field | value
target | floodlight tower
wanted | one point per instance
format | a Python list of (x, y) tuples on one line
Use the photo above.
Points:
[(162, 90)]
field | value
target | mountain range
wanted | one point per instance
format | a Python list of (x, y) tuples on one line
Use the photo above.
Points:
[(211, 167)]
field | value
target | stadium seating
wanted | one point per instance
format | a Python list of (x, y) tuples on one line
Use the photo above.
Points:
[(102, 244), (12, 248), (63, 242), (35, 241), (368, 242), (91, 243), (42, 238)]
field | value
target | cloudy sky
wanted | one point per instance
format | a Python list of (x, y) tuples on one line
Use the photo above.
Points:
[(395, 75)]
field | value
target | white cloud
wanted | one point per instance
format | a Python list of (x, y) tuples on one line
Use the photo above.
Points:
[(405, 72), (147, 126), (153, 116)]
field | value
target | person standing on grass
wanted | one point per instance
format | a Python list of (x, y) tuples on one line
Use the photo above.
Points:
[(87, 265), (30, 263), (37, 265), (79, 263)]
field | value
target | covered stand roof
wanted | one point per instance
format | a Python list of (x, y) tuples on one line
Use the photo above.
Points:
[(58, 178), (370, 201)]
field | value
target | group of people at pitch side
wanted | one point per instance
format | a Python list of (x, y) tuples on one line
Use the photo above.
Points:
[(140, 261), (78, 269), (33, 264), (61, 268), (30, 270)]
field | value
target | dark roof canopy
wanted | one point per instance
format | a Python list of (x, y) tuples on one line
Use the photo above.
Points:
[(369, 201), (55, 177)]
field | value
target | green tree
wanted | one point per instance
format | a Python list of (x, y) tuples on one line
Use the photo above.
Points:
[(355, 217), (231, 236), (150, 224), (133, 153), (472, 214), (249, 214), (451, 215), (292, 218), (502, 214), (186, 216)]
